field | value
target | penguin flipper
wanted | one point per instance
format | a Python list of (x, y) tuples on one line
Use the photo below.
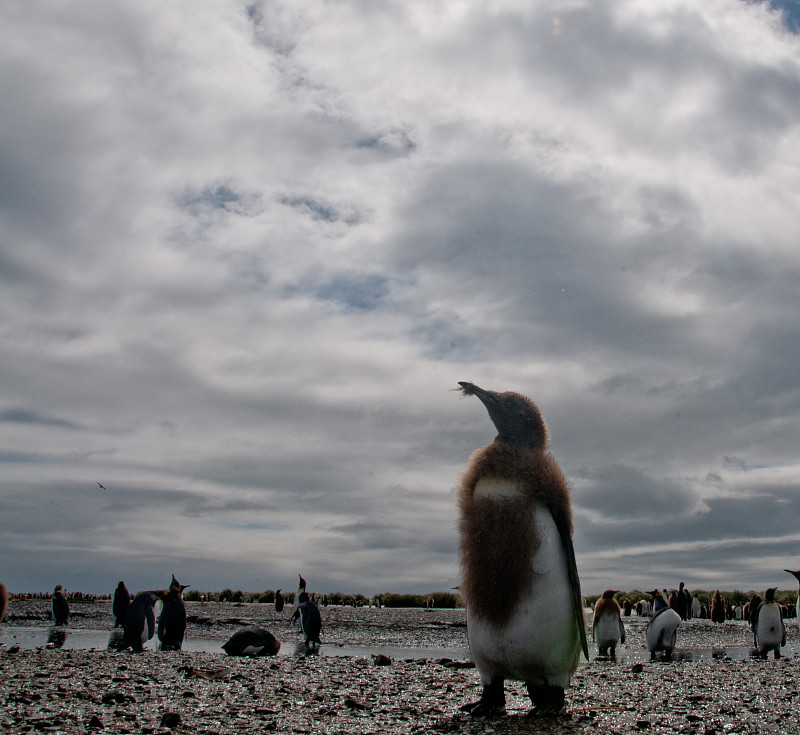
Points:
[(574, 581), (621, 632)]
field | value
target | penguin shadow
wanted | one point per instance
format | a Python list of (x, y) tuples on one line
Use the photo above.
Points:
[(56, 638)]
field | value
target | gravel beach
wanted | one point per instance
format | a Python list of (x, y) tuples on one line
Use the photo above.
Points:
[(47, 689)]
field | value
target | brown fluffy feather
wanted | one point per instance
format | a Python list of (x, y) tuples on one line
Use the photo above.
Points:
[(497, 542)]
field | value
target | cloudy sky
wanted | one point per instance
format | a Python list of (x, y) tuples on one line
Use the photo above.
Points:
[(249, 248)]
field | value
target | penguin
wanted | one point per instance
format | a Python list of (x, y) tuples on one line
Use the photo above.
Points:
[(769, 628), (3, 601), (695, 607), (627, 607), (607, 627), (140, 620), (796, 575), (122, 601), (519, 579), (718, 609), (278, 601), (684, 606), (60, 607), (252, 642), (661, 632), (172, 621), (308, 613)]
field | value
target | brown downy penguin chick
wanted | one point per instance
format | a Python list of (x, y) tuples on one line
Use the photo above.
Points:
[(607, 627), (519, 579)]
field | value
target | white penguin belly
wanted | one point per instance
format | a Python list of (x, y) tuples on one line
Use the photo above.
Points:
[(662, 631), (769, 630), (606, 630), (540, 643)]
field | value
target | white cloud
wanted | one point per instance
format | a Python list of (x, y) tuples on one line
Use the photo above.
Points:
[(249, 247)]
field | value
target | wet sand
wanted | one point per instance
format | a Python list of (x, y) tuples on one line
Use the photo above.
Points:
[(79, 691)]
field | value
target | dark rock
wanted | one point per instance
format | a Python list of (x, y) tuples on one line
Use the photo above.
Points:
[(95, 723), (381, 660), (170, 720)]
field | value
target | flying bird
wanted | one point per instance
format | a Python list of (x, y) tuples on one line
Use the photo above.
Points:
[(103, 488)]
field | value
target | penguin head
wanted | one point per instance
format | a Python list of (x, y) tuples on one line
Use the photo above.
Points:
[(769, 595), (176, 588), (795, 574), (516, 417), (302, 583), (609, 594)]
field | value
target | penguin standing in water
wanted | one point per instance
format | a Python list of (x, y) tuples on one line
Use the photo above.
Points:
[(140, 620), (122, 601), (769, 628), (60, 607), (278, 601), (307, 611), (662, 630), (519, 578), (172, 621), (796, 575), (607, 627)]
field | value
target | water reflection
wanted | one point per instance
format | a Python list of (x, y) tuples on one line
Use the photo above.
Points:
[(56, 637)]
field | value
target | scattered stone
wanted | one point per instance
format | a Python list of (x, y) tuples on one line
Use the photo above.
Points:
[(170, 720), (381, 660)]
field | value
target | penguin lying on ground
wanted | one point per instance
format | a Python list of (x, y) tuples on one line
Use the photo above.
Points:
[(252, 642), (122, 601), (607, 627), (60, 607), (662, 630), (769, 628), (307, 611), (172, 621), (519, 578)]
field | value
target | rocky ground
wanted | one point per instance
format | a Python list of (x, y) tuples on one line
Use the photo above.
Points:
[(79, 691)]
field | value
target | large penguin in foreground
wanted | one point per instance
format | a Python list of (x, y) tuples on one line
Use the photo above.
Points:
[(519, 579)]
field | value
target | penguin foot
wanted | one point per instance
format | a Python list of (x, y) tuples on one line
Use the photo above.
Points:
[(492, 701), (547, 700)]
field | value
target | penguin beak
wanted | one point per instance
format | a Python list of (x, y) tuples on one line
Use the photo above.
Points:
[(487, 397)]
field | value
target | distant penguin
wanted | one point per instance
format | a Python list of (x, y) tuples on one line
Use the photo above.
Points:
[(278, 601), (718, 608), (3, 601), (172, 621), (695, 607), (662, 630), (684, 606), (769, 627), (140, 620), (122, 601), (252, 642), (627, 607), (607, 627), (796, 575), (60, 607), (519, 577)]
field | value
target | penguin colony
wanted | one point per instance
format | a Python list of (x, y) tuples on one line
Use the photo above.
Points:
[(519, 579)]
